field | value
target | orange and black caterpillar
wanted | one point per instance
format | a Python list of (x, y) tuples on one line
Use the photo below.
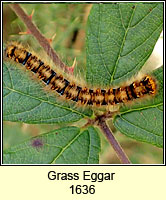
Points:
[(82, 95)]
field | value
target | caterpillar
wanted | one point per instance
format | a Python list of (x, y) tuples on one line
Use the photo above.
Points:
[(76, 93)]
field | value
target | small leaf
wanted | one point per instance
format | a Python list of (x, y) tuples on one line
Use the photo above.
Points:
[(120, 39), (25, 100), (144, 120), (68, 145)]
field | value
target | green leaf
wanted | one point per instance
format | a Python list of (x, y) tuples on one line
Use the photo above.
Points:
[(144, 120), (25, 100), (68, 145), (120, 39)]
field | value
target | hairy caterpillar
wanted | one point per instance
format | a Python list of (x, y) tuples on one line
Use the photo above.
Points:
[(76, 93)]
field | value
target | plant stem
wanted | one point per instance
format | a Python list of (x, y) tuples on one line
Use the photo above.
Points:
[(114, 143), (39, 37)]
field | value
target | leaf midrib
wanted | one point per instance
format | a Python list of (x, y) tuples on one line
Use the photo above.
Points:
[(65, 147), (121, 48)]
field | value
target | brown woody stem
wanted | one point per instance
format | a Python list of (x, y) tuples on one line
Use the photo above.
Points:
[(39, 37), (114, 143)]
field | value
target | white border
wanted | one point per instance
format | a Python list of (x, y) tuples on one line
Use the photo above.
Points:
[(2, 86)]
